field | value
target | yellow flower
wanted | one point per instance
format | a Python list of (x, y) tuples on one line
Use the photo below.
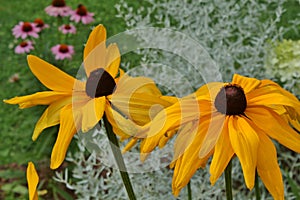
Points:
[(238, 118), (32, 180), (78, 105)]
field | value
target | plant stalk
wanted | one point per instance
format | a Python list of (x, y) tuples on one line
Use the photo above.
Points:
[(114, 144), (228, 181)]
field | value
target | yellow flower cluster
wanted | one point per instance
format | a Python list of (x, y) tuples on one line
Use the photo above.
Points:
[(219, 120)]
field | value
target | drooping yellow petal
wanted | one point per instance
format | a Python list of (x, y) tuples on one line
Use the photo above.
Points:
[(222, 155), (215, 129), (32, 181), (95, 50), (50, 76), (51, 116), (244, 141), (66, 132), (274, 126), (39, 98), (113, 60), (190, 161), (268, 169), (122, 126), (170, 119), (248, 84), (92, 112), (269, 95)]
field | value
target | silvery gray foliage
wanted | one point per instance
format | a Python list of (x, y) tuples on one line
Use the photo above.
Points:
[(234, 35), (92, 178), (233, 32)]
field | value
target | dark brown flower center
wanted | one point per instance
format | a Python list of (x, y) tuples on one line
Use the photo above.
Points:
[(39, 22), (100, 83), (231, 100), (63, 48), (58, 3), (67, 27), (81, 10), (23, 44), (27, 27)]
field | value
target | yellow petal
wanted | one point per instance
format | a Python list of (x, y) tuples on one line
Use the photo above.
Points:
[(222, 155), (66, 132), (268, 169), (39, 98), (269, 95), (92, 112), (122, 127), (248, 84), (50, 76), (274, 126), (244, 141), (215, 129), (113, 59), (95, 50), (51, 116), (129, 145), (32, 180)]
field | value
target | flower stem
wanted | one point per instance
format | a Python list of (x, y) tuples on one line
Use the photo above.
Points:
[(228, 181), (114, 144), (189, 191), (257, 191)]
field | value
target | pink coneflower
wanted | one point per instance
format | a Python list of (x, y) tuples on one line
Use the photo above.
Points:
[(81, 14), (62, 51), (58, 8), (25, 29), (67, 28), (39, 23), (24, 47)]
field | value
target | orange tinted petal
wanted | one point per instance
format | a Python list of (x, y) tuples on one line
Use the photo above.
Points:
[(274, 126), (50, 76), (268, 169), (244, 141), (248, 84), (32, 180), (113, 59), (222, 154), (66, 132), (50, 117), (94, 53), (39, 98)]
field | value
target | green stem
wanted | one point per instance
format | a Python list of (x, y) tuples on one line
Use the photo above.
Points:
[(257, 191), (189, 191), (114, 144), (228, 183)]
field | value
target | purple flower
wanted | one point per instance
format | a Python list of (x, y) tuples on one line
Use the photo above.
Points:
[(58, 8), (25, 29), (24, 47), (39, 23), (62, 51), (81, 14), (67, 28)]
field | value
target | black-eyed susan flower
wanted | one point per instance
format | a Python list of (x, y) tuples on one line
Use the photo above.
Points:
[(225, 120), (78, 105), (32, 181)]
